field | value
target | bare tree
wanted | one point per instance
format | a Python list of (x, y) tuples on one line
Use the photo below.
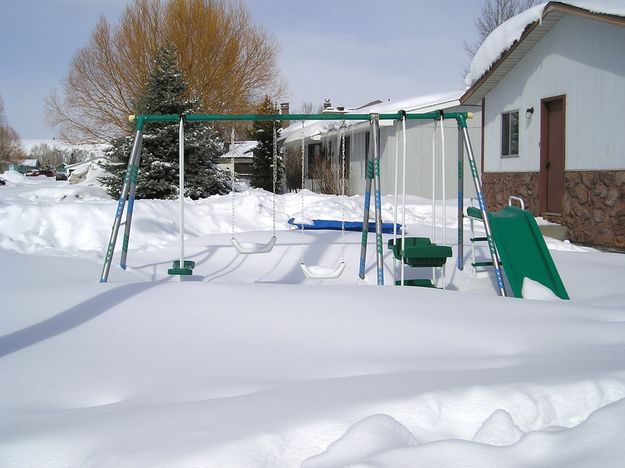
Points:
[(48, 156), (10, 143), (309, 108), (227, 60), (492, 14), (3, 119)]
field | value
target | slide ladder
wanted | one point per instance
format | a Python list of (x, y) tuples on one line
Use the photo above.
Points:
[(522, 249)]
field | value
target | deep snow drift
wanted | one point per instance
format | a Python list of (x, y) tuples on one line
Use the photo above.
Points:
[(249, 364)]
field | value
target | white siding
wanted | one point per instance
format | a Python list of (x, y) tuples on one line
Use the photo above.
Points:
[(583, 59), (418, 156)]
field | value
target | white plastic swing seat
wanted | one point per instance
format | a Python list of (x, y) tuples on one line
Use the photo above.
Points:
[(248, 248), (319, 272)]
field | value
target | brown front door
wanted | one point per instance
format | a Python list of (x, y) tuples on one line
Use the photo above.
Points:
[(552, 117)]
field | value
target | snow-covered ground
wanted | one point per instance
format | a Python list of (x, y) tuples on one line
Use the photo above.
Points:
[(248, 364)]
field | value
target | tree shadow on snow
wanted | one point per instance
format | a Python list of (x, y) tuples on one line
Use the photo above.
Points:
[(71, 318)]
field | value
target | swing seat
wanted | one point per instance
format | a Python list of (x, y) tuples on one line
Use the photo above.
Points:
[(420, 252), (474, 212), (319, 272), (248, 248)]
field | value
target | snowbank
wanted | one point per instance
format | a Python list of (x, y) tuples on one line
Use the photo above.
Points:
[(236, 366)]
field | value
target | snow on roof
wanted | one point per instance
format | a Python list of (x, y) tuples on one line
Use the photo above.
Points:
[(241, 149), (420, 104), (29, 162), (82, 164), (504, 36), (425, 103)]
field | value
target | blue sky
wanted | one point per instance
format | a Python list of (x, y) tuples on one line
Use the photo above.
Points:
[(351, 51)]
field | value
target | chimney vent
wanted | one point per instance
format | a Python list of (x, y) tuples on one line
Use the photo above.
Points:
[(284, 110)]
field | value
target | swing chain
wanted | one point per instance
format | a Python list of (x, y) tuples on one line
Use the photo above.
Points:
[(343, 190), (275, 177), (232, 179), (302, 195)]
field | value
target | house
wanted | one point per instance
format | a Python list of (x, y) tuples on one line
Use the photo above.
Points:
[(61, 168), (28, 165), (240, 153), (322, 143), (551, 86), (83, 170)]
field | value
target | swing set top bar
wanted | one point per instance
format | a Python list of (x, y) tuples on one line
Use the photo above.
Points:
[(141, 120)]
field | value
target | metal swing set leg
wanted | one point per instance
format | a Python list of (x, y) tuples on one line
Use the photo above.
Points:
[(372, 169), (128, 192), (180, 267)]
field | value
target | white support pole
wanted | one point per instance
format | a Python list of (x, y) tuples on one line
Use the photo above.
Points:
[(396, 204), (444, 194), (403, 189), (181, 189), (434, 195)]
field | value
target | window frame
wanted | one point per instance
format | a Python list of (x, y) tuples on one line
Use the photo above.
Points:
[(507, 134)]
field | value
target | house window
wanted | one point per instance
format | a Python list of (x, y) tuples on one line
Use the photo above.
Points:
[(510, 134)]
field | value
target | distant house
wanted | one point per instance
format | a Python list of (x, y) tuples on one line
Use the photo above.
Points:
[(78, 172), (241, 152), (321, 141), (552, 98), (28, 165), (61, 168)]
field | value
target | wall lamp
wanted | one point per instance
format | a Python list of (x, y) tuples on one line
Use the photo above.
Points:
[(529, 112)]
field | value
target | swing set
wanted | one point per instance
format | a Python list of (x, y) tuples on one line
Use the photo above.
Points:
[(410, 251)]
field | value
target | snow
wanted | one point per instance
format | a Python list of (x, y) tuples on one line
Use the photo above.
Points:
[(504, 36), (87, 172), (96, 149), (29, 162), (240, 149), (249, 364), (534, 290), (500, 40), (314, 129)]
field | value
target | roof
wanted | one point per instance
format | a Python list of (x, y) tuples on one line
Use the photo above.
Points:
[(29, 162), (506, 46), (240, 149), (81, 164), (418, 104)]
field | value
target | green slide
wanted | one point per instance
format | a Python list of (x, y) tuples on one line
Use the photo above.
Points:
[(523, 251)]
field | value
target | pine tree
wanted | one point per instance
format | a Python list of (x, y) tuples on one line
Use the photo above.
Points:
[(262, 162), (165, 93)]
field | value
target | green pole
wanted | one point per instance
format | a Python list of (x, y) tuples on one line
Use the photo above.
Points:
[(142, 119)]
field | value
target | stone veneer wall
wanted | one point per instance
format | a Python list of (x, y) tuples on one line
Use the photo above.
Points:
[(593, 207), (498, 186)]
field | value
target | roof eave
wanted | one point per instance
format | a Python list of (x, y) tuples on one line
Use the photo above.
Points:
[(534, 32)]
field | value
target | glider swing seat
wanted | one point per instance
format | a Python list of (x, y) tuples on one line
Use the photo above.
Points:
[(316, 271), (419, 252), (249, 248)]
